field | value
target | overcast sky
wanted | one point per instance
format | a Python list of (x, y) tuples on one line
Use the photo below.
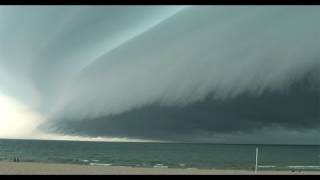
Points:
[(224, 74)]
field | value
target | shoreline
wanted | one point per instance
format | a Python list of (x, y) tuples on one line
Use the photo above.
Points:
[(55, 168)]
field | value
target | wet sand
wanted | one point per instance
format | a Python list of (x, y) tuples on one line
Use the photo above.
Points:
[(46, 168)]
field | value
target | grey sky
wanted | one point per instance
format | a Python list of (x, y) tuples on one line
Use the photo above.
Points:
[(166, 72)]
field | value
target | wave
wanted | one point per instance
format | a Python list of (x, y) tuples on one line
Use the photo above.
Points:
[(99, 164), (160, 166), (267, 166), (304, 167)]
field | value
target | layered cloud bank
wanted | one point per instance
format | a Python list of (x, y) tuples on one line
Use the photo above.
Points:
[(296, 109), (185, 73)]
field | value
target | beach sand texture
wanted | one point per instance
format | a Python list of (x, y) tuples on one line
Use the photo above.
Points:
[(46, 168)]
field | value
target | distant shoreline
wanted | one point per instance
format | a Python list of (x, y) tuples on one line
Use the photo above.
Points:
[(54, 168), (160, 142)]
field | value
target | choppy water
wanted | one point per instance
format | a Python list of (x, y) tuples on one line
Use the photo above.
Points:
[(163, 155)]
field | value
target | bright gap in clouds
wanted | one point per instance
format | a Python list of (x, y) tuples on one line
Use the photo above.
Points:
[(16, 120), (19, 122)]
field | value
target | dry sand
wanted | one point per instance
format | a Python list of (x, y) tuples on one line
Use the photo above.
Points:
[(46, 168)]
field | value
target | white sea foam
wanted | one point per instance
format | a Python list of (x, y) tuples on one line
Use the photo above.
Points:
[(304, 167), (99, 164), (267, 166), (160, 166)]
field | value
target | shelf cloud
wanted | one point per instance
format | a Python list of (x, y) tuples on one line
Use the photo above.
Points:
[(171, 73)]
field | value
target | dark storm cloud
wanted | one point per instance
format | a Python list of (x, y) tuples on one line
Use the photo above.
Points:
[(297, 108), (163, 72), (226, 51)]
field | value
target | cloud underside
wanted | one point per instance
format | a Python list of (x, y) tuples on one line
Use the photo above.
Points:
[(197, 73), (297, 110)]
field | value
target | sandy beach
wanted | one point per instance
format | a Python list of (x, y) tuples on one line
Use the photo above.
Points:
[(46, 168)]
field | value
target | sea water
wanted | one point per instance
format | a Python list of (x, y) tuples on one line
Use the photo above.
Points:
[(163, 155)]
